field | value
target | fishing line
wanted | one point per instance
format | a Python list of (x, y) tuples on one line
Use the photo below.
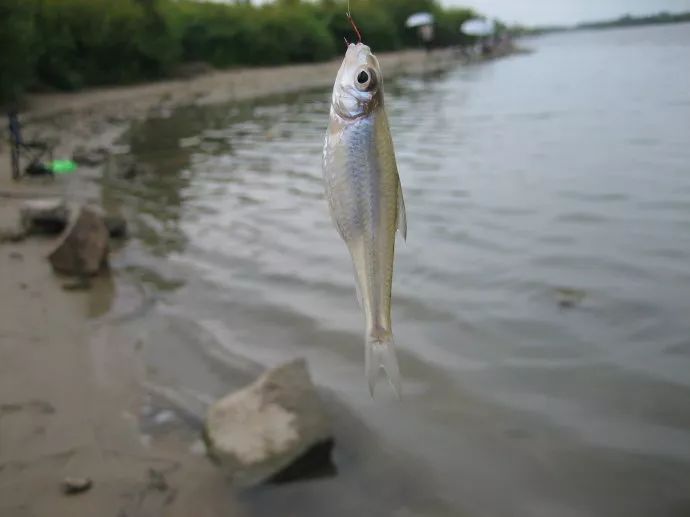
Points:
[(352, 22)]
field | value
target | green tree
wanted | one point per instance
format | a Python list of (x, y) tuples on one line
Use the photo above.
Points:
[(17, 41)]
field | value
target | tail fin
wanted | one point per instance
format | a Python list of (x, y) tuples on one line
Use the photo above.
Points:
[(380, 353)]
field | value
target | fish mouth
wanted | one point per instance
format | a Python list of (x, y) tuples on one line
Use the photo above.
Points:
[(359, 52)]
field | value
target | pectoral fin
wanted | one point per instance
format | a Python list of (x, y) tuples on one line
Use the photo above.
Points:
[(401, 217), (359, 294)]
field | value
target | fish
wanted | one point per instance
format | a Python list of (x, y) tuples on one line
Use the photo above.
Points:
[(365, 199)]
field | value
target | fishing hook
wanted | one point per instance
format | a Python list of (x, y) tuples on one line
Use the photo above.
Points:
[(352, 22)]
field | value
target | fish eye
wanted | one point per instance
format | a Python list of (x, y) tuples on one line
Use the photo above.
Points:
[(365, 80)]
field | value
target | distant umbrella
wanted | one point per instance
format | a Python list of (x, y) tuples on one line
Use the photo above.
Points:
[(478, 27), (419, 19)]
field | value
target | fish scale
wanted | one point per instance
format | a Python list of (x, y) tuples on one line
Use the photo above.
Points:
[(365, 198)]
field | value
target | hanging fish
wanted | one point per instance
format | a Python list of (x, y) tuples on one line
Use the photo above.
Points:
[(365, 198)]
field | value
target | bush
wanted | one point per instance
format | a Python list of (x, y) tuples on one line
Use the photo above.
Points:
[(93, 42), (448, 24), (17, 40), (68, 44)]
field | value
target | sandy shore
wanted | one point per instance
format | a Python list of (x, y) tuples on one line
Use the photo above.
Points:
[(69, 405), (71, 389)]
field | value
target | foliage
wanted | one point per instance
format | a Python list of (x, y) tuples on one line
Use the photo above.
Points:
[(69, 44), (16, 41)]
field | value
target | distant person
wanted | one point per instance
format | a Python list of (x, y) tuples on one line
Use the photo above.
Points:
[(19, 145), (426, 34), (15, 141)]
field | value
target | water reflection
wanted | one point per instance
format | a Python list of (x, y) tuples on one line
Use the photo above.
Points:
[(527, 183)]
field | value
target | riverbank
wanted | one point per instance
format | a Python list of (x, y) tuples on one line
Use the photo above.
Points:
[(95, 118), (72, 388), (222, 86)]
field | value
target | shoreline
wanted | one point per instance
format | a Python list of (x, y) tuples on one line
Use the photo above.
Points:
[(97, 117), (84, 417), (221, 86)]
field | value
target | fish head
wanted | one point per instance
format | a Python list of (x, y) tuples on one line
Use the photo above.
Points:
[(358, 88)]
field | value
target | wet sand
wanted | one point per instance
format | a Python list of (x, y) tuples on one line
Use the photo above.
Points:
[(69, 403), (71, 389)]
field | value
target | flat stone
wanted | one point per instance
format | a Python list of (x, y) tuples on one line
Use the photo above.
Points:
[(75, 485), (44, 216)]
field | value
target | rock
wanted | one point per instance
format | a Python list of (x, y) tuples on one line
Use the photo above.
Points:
[(126, 167), (568, 297), (11, 233), (116, 225), (90, 157), (45, 216), (80, 284), (74, 485), (83, 249), (261, 431), (157, 480)]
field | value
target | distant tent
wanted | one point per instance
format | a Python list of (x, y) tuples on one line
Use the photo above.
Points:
[(478, 27), (419, 19)]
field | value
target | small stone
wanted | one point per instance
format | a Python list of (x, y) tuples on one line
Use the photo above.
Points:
[(164, 417), (157, 480), (568, 297), (81, 284), (90, 157), (75, 485), (117, 226)]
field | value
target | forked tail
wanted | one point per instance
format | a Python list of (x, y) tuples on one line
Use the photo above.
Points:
[(380, 353)]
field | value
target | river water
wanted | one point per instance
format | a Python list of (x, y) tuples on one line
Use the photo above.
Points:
[(541, 303)]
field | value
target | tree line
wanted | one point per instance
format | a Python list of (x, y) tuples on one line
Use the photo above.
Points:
[(71, 44)]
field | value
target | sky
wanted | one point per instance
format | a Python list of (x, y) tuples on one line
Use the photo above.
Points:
[(567, 12)]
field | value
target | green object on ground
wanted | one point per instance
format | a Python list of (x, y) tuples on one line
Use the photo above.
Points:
[(62, 166)]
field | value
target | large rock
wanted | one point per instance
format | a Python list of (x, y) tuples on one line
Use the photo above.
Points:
[(48, 216), (83, 249), (259, 433)]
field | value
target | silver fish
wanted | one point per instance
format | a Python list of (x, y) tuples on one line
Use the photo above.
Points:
[(365, 198)]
